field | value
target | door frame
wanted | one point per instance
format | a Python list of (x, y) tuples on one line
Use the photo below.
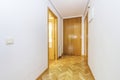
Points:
[(86, 28), (56, 34)]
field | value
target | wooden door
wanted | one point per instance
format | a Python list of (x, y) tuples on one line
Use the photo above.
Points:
[(72, 36), (53, 35), (51, 40)]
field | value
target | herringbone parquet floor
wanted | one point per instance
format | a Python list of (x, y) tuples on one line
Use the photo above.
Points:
[(68, 68)]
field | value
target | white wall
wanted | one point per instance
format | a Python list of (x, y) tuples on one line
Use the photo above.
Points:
[(24, 21), (82, 36), (104, 40), (60, 38)]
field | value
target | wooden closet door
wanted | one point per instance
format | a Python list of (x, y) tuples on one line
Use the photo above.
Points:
[(72, 36)]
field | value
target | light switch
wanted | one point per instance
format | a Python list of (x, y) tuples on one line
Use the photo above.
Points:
[(10, 41)]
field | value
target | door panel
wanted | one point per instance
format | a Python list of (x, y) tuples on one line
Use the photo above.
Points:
[(53, 36), (77, 37), (51, 39), (72, 36)]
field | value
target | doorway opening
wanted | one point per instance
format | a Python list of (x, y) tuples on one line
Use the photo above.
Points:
[(52, 37)]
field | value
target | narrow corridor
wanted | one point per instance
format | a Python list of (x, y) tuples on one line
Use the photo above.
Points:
[(68, 68)]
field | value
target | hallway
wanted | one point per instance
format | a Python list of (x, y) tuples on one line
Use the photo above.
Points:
[(68, 68), (24, 53)]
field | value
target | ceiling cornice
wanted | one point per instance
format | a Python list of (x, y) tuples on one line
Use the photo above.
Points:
[(86, 9), (72, 16), (55, 9)]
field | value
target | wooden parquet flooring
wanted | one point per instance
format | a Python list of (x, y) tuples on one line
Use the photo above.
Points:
[(68, 68)]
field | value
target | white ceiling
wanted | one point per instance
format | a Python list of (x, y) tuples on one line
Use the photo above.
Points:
[(70, 8)]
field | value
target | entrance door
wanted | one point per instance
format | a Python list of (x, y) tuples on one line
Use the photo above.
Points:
[(72, 36)]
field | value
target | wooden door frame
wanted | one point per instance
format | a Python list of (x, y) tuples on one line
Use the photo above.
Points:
[(56, 34), (86, 36)]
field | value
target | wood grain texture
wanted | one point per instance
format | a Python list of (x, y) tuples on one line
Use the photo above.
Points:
[(68, 68), (53, 45), (72, 36)]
